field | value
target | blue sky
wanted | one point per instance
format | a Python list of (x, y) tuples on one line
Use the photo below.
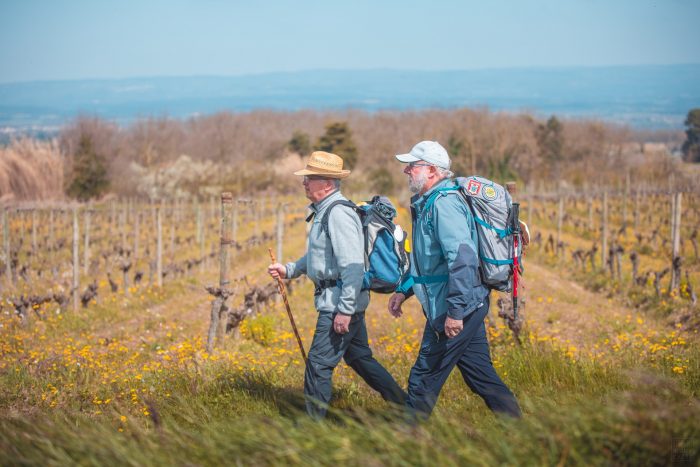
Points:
[(80, 39)]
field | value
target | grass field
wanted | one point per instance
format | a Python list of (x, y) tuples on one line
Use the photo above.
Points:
[(128, 381)]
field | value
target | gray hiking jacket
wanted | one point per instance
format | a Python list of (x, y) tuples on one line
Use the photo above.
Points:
[(338, 256)]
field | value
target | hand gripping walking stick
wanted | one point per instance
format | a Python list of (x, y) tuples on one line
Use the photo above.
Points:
[(283, 292)]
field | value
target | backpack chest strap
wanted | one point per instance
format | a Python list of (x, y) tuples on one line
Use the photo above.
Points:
[(430, 279), (502, 233)]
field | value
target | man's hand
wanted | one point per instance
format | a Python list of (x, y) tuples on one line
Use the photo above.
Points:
[(524, 233), (277, 270), (395, 303), (453, 327), (341, 323)]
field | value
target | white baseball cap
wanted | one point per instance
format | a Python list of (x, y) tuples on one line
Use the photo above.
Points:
[(429, 151)]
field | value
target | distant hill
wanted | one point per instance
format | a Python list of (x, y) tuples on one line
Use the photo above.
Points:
[(639, 96)]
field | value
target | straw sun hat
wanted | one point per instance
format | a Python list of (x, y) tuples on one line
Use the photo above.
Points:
[(324, 164)]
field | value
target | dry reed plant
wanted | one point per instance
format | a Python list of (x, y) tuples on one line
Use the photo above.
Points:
[(31, 170)]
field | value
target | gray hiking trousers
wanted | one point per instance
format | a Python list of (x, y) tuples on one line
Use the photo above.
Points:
[(327, 348)]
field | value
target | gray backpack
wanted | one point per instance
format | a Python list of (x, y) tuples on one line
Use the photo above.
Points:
[(491, 206)]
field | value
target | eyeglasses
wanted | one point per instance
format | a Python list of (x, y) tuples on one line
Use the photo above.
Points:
[(308, 178), (418, 164)]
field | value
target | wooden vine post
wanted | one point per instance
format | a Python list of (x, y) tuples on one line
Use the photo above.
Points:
[(604, 233), (676, 241), (159, 247), (280, 230), (219, 311), (86, 245), (6, 246), (560, 221), (234, 222), (34, 226), (76, 260)]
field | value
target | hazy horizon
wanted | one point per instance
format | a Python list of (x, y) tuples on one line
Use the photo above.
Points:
[(338, 70), (643, 96)]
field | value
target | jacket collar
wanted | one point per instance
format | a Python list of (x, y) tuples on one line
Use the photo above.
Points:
[(321, 205), (417, 201)]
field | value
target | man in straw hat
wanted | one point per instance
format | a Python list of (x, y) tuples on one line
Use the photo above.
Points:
[(445, 278), (334, 261)]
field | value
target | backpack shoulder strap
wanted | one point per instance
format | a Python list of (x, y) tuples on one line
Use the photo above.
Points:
[(327, 213), (433, 197)]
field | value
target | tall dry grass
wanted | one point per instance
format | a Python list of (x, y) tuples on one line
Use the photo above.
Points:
[(31, 170)]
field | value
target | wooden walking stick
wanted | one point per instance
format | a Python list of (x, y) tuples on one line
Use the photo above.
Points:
[(283, 292)]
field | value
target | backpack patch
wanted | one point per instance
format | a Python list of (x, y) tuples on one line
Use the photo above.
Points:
[(490, 193), (473, 187)]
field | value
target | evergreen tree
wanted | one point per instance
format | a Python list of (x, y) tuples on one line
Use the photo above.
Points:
[(459, 155), (550, 141), (338, 140), (89, 172), (382, 181), (300, 143), (500, 170), (691, 146)]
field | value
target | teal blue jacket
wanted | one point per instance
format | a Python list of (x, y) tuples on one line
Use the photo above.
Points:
[(444, 274)]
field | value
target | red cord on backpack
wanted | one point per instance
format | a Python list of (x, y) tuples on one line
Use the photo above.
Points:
[(515, 228), (516, 268)]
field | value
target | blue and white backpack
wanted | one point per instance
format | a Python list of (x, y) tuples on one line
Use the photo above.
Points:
[(386, 260)]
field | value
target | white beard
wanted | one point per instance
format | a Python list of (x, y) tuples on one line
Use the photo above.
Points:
[(416, 183)]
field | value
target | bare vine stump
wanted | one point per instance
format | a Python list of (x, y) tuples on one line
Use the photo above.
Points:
[(634, 257), (505, 311), (657, 280)]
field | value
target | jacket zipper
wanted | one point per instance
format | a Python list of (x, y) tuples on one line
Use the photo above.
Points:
[(423, 286)]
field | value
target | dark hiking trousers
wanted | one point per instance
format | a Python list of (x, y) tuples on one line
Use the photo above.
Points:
[(469, 351), (327, 348)]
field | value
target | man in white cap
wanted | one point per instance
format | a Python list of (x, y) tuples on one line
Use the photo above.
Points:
[(445, 278), (335, 262)]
